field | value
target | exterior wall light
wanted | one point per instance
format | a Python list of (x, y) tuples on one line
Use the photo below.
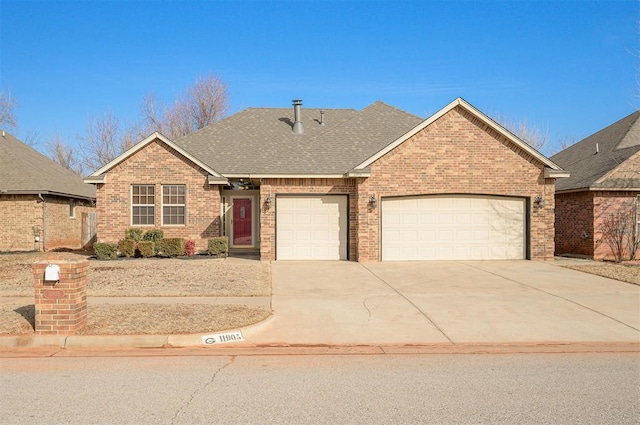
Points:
[(267, 202), (539, 201), (373, 201)]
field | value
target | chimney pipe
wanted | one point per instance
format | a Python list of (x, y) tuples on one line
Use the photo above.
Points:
[(297, 123)]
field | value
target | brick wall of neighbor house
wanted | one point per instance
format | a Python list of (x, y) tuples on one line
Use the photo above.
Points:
[(22, 219), (158, 164), (605, 206), (62, 230), (457, 154), (20, 213), (574, 223), (273, 187)]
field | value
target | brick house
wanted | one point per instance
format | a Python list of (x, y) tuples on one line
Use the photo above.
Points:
[(601, 199), (43, 205), (372, 185)]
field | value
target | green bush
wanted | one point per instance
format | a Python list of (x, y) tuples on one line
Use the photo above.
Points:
[(218, 246), (105, 251), (127, 247), (147, 248), (133, 234), (153, 235), (170, 247)]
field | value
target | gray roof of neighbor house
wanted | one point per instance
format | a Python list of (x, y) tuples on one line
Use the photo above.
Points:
[(24, 170), (261, 141), (589, 160)]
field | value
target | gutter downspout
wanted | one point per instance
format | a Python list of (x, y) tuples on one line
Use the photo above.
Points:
[(44, 222)]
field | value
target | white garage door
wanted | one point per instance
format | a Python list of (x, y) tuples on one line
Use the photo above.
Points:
[(311, 227), (453, 228)]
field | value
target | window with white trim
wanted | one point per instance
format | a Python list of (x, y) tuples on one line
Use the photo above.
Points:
[(143, 205), (173, 204), (72, 208)]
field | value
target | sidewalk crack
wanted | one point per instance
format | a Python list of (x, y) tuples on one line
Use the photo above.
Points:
[(198, 390)]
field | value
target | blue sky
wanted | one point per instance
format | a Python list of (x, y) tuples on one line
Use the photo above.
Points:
[(569, 67)]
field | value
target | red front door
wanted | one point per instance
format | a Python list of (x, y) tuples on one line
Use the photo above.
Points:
[(242, 226)]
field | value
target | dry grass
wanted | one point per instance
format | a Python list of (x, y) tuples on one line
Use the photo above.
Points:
[(624, 272), (149, 277), (208, 277), (143, 319)]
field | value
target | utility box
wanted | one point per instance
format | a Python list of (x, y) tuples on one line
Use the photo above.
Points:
[(60, 295)]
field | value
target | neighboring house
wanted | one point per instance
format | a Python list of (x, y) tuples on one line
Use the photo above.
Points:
[(42, 205), (370, 185), (598, 206)]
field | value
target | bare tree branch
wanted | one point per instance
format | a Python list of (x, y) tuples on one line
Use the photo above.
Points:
[(63, 154), (200, 105), (8, 106), (532, 135)]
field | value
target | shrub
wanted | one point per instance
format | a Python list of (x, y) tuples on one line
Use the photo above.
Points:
[(133, 234), (147, 248), (153, 235), (127, 247), (218, 246), (105, 251), (170, 247), (189, 248)]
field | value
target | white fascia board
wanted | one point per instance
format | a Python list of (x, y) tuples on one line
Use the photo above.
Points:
[(463, 103), (95, 179), (135, 148), (211, 179), (285, 176), (358, 173), (555, 174)]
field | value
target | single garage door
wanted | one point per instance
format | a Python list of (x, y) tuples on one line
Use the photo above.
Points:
[(453, 228), (311, 227)]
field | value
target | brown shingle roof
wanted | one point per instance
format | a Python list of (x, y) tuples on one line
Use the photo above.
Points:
[(25, 170), (261, 141), (615, 144)]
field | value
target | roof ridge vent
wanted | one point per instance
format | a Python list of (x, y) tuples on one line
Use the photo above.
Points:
[(298, 128)]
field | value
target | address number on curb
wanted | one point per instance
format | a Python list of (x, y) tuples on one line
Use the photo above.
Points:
[(222, 338)]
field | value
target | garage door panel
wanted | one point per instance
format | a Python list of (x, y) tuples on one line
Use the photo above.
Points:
[(453, 227), (311, 227)]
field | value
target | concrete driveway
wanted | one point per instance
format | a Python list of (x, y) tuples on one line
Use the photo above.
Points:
[(445, 302)]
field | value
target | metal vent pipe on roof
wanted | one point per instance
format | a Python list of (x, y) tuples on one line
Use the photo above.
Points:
[(297, 121)]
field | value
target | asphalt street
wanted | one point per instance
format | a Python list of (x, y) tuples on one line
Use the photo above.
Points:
[(594, 388)]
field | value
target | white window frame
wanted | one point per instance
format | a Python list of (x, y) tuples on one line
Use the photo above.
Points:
[(183, 205), (153, 205), (72, 208)]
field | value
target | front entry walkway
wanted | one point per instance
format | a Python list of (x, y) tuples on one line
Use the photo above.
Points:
[(445, 302)]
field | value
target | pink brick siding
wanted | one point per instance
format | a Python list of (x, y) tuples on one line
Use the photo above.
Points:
[(157, 164), (604, 205)]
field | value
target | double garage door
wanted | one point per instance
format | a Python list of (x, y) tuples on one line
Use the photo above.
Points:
[(453, 228), (443, 227)]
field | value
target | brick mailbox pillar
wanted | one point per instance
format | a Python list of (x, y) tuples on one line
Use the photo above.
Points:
[(61, 306)]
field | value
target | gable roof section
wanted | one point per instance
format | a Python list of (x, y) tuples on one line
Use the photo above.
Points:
[(259, 142), (99, 176), (23, 170), (593, 160), (553, 170)]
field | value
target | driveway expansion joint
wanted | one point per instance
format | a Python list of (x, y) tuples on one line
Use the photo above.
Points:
[(426, 316)]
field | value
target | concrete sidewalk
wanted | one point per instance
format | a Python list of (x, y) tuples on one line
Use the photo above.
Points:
[(444, 304)]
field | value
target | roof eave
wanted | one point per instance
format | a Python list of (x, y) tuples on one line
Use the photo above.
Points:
[(47, 192), (555, 174)]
